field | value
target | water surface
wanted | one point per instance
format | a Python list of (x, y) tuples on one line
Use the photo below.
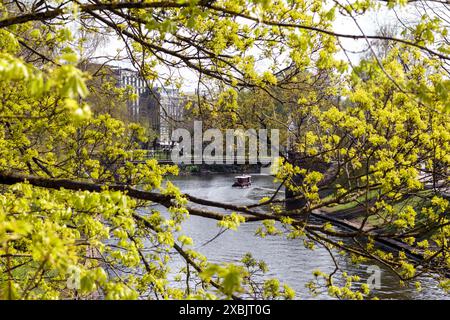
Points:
[(287, 259)]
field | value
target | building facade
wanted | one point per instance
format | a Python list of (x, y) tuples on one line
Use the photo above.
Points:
[(171, 112), (127, 77)]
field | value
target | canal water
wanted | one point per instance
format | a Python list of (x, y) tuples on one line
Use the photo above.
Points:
[(287, 259)]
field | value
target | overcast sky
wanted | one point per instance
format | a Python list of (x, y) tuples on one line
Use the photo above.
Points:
[(370, 23)]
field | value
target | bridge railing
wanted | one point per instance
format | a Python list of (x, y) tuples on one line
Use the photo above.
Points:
[(165, 156)]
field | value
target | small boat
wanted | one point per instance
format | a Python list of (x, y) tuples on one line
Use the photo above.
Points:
[(242, 181)]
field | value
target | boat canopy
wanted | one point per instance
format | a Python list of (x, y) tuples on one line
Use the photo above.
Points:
[(245, 176)]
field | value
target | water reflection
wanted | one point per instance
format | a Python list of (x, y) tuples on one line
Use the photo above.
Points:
[(287, 259)]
